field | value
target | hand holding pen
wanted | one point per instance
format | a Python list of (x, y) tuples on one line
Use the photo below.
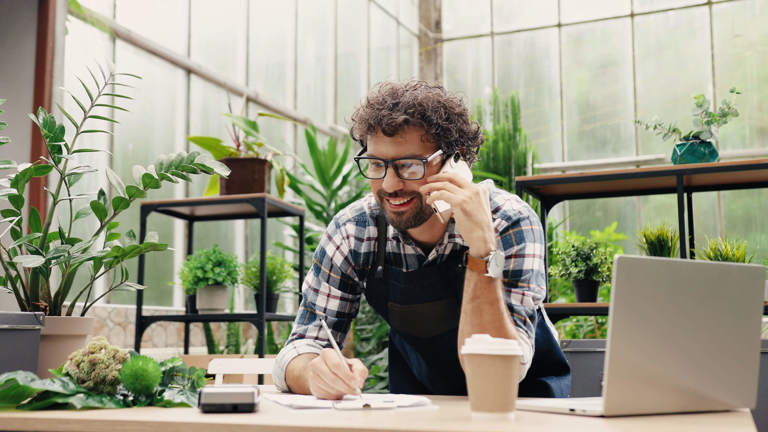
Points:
[(331, 375)]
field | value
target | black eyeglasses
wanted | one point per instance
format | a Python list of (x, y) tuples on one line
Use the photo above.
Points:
[(409, 168)]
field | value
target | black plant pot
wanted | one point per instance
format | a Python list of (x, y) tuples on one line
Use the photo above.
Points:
[(191, 304), (271, 301), (586, 290)]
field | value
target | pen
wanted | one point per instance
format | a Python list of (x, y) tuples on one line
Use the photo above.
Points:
[(336, 348)]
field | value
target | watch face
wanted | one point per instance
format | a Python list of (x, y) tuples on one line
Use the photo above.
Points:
[(496, 263)]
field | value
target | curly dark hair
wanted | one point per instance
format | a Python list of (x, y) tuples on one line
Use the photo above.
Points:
[(392, 106)]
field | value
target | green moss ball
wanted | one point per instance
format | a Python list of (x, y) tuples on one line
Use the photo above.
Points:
[(140, 375)]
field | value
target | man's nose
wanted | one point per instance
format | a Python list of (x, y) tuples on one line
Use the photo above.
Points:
[(391, 181)]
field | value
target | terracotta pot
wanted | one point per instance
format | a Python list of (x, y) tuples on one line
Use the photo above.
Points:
[(61, 336), (212, 299), (586, 290), (249, 175)]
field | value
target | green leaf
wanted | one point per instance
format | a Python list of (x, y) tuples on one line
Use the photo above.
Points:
[(118, 95), (41, 170), (68, 116), (112, 225), (87, 91), (4, 140), (99, 209), (29, 261), (83, 212), (92, 131), (128, 74), (212, 188), (120, 203), (113, 236), (102, 197), (213, 145), (181, 175), (111, 106), (249, 126), (148, 181), (134, 192), (100, 117), (26, 239), (87, 150), (9, 213), (35, 224), (115, 181), (17, 201), (80, 104)]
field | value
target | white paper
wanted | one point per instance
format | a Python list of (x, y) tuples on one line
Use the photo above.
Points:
[(349, 402)]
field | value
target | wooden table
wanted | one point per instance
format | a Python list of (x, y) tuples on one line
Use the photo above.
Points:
[(451, 413)]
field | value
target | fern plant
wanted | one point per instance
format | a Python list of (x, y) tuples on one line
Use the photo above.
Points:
[(661, 241), (40, 267)]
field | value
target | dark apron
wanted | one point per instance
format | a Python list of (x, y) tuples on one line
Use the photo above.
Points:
[(422, 308)]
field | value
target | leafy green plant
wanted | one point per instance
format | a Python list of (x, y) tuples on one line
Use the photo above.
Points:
[(720, 249), (140, 375), (581, 258), (706, 123), (23, 390), (206, 267), (661, 241), (40, 267), (279, 271), (247, 142), (505, 152)]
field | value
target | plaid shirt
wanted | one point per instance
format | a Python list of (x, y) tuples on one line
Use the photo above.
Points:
[(346, 254)]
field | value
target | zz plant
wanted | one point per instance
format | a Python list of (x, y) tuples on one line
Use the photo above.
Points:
[(40, 267)]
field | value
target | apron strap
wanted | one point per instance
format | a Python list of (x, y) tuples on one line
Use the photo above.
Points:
[(381, 245)]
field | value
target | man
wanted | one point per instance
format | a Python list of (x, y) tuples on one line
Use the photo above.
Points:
[(432, 280)]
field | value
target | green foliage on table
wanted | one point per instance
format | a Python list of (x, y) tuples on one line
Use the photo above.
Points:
[(581, 258), (721, 249), (706, 123), (140, 375), (40, 267), (206, 267), (97, 366), (279, 271), (661, 241), (561, 290), (23, 390), (247, 142), (505, 152)]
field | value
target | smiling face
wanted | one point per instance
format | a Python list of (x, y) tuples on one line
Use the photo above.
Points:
[(403, 205)]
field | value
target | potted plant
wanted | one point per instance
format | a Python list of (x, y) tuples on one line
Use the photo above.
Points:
[(661, 241), (249, 158), (721, 249), (207, 274), (584, 261), (41, 267), (279, 270), (695, 145)]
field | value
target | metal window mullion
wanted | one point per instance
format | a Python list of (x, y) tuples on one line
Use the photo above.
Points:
[(720, 212), (493, 46), (394, 17)]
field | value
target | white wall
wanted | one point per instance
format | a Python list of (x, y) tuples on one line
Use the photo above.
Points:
[(18, 24)]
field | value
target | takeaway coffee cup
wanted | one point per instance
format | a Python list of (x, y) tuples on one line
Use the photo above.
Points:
[(492, 368)]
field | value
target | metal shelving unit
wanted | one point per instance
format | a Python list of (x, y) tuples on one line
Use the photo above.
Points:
[(227, 207)]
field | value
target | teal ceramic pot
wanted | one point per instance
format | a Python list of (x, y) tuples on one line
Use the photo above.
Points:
[(698, 151)]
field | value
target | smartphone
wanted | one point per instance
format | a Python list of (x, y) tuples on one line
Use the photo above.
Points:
[(456, 165)]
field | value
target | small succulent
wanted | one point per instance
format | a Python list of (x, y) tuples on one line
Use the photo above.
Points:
[(97, 366), (141, 375)]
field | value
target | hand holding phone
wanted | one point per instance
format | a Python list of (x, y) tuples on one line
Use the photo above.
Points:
[(456, 166)]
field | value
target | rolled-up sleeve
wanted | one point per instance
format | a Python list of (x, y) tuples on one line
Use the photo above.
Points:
[(330, 291), (524, 276)]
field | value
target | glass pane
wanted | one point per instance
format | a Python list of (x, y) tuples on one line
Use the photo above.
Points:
[(388, 5), (669, 73), (461, 18), (315, 60), (351, 57), (581, 10), (218, 37), (741, 61), (409, 55), (409, 14), (518, 14), (154, 126), (745, 220), (528, 63), (271, 49), (466, 68), (383, 54), (650, 5), (166, 25), (597, 214), (597, 90)]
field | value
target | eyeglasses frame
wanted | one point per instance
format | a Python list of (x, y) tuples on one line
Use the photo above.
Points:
[(424, 160)]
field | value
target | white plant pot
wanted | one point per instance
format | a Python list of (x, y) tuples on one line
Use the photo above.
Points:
[(61, 336), (212, 299)]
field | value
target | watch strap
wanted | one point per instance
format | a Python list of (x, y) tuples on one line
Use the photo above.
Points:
[(479, 265)]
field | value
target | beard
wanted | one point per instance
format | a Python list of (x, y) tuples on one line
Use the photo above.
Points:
[(415, 216)]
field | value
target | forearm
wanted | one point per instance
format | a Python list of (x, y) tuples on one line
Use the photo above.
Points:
[(297, 373), (484, 309)]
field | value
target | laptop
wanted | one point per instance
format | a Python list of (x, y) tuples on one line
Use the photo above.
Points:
[(683, 336)]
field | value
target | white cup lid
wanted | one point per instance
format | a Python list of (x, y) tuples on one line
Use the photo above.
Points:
[(485, 344)]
